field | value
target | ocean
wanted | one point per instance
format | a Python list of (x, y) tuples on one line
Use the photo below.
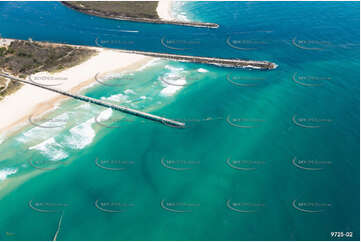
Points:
[(265, 155)]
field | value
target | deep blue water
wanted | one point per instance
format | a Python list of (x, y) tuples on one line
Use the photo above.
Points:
[(290, 135)]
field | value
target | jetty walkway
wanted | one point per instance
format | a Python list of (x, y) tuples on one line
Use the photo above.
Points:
[(235, 63), (168, 122)]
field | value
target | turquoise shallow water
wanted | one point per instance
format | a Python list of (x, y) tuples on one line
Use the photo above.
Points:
[(266, 155)]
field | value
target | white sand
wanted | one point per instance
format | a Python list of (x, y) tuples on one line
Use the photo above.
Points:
[(28, 100), (164, 9)]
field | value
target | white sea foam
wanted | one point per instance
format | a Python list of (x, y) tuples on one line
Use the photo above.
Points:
[(51, 149), (172, 81), (129, 91), (89, 86), (81, 135), (182, 16), (129, 31), (153, 62), (105, 115), (85, 106), (2, 139), (177, 12), (116, 75), (116, 98), (173, 68), (252, 67), (59, 120), (169, 91), (53, 125), (202, 70), (143, 97), (46, 78), (35, 132), (4, 173)]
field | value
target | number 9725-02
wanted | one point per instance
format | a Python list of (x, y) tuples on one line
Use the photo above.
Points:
[(341, 234)]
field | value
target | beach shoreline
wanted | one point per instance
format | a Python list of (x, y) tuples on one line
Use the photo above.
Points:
[(31, 100)]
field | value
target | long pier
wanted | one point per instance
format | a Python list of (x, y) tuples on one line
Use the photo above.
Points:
[(168, 122), (224, 62), (235, 63)]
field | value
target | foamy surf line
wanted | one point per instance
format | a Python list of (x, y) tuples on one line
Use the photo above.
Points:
[(30, 99), (77, 138), (51, 150), (172, 11), (80, 136), (4, 173), (172, 81), (176, 9)]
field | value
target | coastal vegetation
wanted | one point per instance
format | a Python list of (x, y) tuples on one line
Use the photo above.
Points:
[(131, 9), (22, 58), (138, 11), (7, 87)]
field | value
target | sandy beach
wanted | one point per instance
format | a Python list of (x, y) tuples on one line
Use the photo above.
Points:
[(164, 9), (30, 100)]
